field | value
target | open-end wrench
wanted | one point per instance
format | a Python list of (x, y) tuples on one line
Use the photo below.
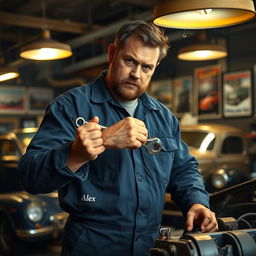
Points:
[(153, 145)]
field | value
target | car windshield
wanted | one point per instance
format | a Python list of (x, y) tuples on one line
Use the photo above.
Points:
[(204, 141), (11, 148)]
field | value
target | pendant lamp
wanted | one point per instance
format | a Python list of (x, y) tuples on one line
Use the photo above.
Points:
[(198, 14), (46, 49), (202, 50), (6, 72)]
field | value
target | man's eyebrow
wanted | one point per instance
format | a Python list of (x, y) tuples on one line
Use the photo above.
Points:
[(129, 56)]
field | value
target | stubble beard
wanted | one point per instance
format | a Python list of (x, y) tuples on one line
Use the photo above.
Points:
[(122, 93)]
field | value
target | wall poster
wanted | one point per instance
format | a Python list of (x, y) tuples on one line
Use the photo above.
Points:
[(208, 92), (254, 89), (39, 97), (183, 91), (162, 91), (12, 100), (237, 94)]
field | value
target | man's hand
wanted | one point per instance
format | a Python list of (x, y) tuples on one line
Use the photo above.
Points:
[(87, 145), (127, 133), (201, 215)]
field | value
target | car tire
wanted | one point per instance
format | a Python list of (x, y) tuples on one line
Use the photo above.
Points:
[(9, 245)]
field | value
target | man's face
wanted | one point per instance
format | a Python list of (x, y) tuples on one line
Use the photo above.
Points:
[(131, 68)]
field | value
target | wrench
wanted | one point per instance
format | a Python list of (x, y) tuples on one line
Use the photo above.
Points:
[(152, 145)]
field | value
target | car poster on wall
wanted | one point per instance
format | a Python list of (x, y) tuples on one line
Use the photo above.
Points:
[(162, 91), (183, 99), (237, 94), (12, 100), (254, 94), (38, 99), (208, 92)]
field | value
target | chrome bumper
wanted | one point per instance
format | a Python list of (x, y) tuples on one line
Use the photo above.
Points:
[(54, 230)]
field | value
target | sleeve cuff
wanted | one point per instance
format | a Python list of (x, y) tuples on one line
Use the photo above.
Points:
[(61, 160)]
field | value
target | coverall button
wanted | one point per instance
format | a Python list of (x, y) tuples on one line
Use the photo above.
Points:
[(139, 178)]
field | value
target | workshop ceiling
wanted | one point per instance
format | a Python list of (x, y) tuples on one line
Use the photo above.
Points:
[(87, 25)]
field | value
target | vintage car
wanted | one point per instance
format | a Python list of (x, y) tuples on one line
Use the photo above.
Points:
[(237, 96), (221, 151), (23, 217)]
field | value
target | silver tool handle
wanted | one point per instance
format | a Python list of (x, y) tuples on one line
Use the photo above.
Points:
[(153, 145)]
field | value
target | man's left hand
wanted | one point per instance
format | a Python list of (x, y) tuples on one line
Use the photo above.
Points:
[(204, 217)]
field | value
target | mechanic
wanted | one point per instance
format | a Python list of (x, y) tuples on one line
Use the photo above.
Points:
[(112, 188)]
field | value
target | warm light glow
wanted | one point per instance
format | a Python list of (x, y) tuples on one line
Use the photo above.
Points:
[(206, 142), (46, 49), (200, 52), (45, 54), (204, 11), (8, 76), (210, 14), (203, 53), (216, 18)]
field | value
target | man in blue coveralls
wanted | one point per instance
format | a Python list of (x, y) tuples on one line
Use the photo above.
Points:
[(112, 188)]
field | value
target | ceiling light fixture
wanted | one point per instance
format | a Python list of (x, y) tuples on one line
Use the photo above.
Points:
[(198, 14), (45, 48), (202, 50), (6, 72)]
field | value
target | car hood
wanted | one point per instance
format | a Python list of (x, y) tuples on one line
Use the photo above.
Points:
[(201, 156), (23, 196)]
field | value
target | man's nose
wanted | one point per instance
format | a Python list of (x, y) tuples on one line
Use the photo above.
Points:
[(136, 72)]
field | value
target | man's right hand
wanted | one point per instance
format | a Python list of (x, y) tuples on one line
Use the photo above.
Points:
[(127, 133), (87, 145)]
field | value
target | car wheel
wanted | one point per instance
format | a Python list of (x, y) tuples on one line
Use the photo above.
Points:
[(9, 244)]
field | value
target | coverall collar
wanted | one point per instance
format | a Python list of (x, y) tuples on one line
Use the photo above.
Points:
[(100, 94)]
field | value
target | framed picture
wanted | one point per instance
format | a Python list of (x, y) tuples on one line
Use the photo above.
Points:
[(13, 100), (208, 92), (183, 95), (254, 89), (7, 124), (162, 91), (39, 98), (237, 94)]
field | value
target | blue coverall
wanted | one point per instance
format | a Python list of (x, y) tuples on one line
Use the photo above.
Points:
[(116, 201)]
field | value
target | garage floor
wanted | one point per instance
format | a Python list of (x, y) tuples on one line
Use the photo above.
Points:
[(42, 249)]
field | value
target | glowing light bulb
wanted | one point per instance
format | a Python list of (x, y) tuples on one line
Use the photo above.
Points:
[(203, 53), (204, 11), (8, 76)]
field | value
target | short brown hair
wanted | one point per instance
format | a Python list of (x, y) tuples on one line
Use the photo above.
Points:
[(148, 33)]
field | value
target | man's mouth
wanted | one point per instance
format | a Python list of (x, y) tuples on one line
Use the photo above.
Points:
[(131, 84)]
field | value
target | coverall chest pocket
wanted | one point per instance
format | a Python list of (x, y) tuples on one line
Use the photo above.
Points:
[(160, 165)]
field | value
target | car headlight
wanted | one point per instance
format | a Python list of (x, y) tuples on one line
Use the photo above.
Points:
[(219, 179), (34, 212)]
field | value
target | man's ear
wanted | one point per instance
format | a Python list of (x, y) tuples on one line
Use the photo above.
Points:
[(111, 52)]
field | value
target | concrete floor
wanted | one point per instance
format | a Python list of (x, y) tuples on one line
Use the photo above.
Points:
[(44, 248)]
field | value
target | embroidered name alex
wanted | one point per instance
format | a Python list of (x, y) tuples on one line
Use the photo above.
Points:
[(87, 198)]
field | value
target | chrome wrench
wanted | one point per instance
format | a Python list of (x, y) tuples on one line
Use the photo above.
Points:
[(152, 145)]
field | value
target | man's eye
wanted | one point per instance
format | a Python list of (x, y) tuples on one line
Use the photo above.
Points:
[(129, 61), (146, 68)]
